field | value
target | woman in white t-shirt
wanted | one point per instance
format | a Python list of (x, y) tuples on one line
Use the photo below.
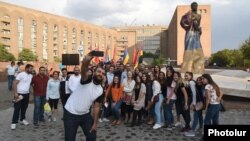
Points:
[(213, 96)]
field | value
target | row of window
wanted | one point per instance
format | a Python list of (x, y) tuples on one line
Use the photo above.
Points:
[(20, 35)]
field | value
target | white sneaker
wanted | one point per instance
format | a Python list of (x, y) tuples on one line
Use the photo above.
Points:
[(177, 124), (157, 126), (54, 119), (13, 126), (190, 133), (169, 128), (105, 120), (100, 120), (24, 122)]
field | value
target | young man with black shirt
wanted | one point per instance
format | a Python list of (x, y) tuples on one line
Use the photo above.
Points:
[(76, 111)]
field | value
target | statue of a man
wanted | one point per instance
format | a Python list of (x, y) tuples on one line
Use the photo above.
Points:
[(193, 59)]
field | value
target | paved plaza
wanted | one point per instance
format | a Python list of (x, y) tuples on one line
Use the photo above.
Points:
[(54, 131)]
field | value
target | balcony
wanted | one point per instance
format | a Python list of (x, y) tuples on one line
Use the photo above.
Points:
[(6, 27), (5, 20)]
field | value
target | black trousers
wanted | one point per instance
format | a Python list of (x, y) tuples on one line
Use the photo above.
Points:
[(72, 122), (20, 106), (136, 114)]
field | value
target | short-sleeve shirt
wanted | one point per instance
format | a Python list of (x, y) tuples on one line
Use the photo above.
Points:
[(23, 86), (84, 95), (169, 90), (212, 92), (11, 70)]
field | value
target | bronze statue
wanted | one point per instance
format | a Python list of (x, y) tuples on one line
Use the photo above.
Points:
[(193, 59)]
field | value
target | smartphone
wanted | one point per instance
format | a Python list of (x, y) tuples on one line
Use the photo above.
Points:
[(97, 53)]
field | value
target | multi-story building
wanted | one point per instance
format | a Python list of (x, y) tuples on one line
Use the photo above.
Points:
[(49, 36), (150, 37)]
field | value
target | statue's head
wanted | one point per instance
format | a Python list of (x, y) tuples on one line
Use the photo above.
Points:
[(194, 6)]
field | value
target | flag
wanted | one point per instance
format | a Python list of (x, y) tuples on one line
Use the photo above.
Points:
[(106, 55), (125, 56), (139, 53), (134, 56)]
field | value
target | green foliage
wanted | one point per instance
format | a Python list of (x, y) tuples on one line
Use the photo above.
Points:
[(245, 49), (57, 59), (159, 61), (27, 55), (5, 55), (148, 55)]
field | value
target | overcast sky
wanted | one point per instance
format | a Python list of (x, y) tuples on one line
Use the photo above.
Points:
[(230, 18)]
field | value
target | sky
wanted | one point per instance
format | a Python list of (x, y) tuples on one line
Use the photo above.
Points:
[(230, 18)]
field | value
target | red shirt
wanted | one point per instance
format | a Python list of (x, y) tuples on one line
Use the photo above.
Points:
[(39, 83)]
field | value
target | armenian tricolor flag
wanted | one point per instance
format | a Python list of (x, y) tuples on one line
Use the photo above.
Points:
[(125, 56)]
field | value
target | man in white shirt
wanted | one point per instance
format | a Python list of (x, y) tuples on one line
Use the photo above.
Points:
[(11, 74), (110, 74), (76, 112), (74, 80), (21, 88)]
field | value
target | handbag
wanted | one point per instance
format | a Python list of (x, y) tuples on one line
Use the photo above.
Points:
[(156, 98), (199, 106), (222, 106)]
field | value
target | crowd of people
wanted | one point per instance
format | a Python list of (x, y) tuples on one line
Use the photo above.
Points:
[(118, 94)]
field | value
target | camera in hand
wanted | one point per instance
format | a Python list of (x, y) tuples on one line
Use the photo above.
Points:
[(97, 53)]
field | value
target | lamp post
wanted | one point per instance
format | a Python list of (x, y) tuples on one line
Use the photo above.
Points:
[(80, 50)]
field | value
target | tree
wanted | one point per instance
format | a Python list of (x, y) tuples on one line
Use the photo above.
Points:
[(222, 58), (5, 55), (27, 55), (148, 55), (245, 49), (159, 61)]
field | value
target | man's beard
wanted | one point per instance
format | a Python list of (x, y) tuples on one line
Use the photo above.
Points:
[(96, 80)]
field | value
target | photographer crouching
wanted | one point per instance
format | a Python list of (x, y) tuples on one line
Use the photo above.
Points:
[(77, 108)]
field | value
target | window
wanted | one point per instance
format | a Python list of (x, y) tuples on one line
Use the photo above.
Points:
[(96, 41), (20, 33), (103, 42), (74, 49), (55, 40), (33, 36), (65, 39), (45, 41), (89, 40)]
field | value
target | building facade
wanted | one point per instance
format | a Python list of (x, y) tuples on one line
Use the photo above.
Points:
[(49, 36), (150, 37)]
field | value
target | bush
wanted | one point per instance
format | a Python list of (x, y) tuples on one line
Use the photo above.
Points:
[(5, 55), (27, 55)]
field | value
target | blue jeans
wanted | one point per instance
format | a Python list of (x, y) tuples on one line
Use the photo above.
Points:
[(212, 115), (197, 117), (169, 114), (116, 109), (39, 102), (20, 106), (158, 105), (72, 122), (103, 112), (10, 81)]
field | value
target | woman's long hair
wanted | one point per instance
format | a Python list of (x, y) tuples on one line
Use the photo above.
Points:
[(211, 82), (169, 80), (179, 81), (162, 81), (118, 84)]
